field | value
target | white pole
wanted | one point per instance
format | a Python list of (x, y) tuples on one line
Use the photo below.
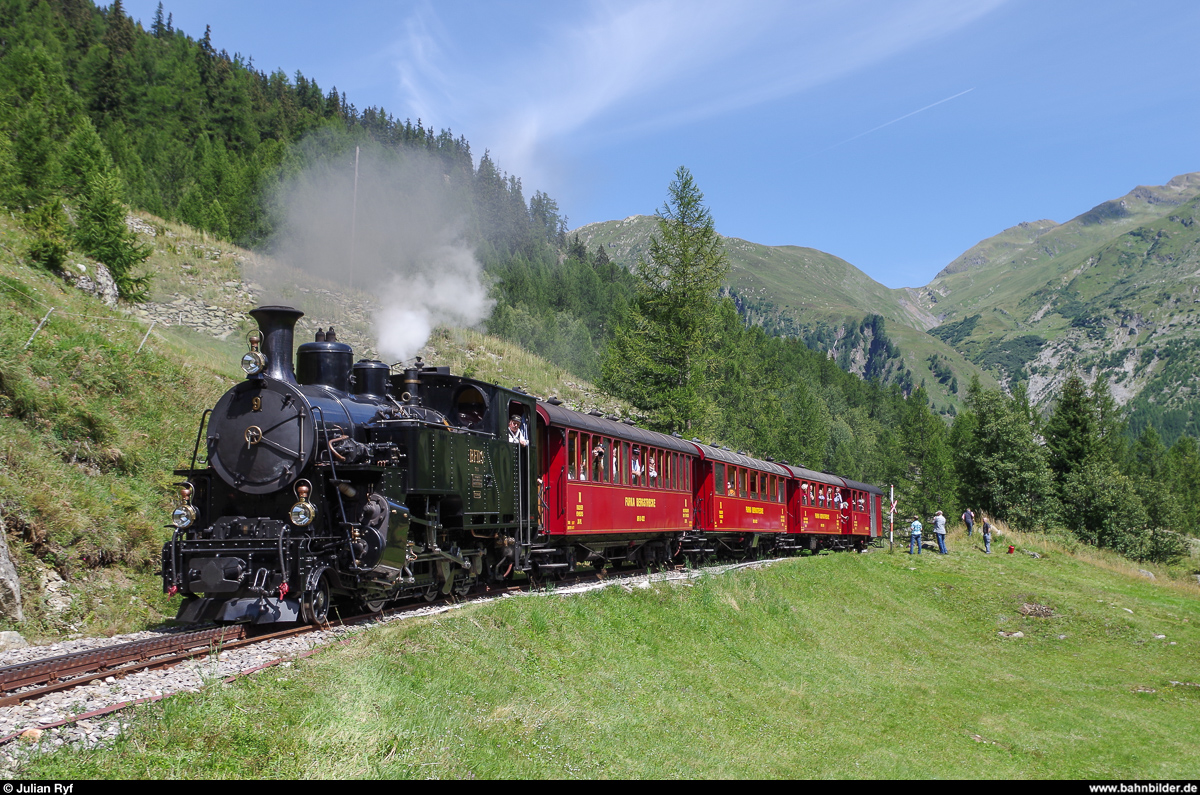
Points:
[(39, 328), (892, 519), (139, 350), (354, 216)]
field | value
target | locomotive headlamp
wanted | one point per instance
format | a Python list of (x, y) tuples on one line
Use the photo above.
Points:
[(303, 512), (186, 514), (254, 362)]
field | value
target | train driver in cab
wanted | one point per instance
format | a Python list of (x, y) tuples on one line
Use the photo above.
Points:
[(516, 433)]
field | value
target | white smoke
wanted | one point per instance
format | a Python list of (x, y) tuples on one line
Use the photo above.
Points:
[(399, 239), (444, 289)]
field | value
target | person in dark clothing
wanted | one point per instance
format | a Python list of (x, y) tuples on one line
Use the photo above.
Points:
[(969, 519)]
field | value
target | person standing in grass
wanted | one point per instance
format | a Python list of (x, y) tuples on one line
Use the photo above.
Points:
[(939, 530), (914, 538), (969, 519), (987, 536)]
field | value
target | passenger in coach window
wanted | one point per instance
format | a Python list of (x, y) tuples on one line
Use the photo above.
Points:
[(653, 473), (635, 466)]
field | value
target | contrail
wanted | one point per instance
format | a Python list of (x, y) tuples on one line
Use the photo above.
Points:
[(893, 121)]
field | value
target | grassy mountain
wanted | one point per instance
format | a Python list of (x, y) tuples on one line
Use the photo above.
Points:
[(1112, 292), (808, 293)]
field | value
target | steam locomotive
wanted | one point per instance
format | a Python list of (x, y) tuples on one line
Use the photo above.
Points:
[(336, 479)]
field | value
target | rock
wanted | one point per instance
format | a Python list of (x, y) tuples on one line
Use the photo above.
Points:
[(31, 735), (10, 585), (57, 598), (1147, 574), (93, 278), (1160, 637), (12, 640), (1017, 634), (138, 225)]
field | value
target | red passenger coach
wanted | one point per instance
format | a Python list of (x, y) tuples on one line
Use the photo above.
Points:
[(866, 509), (738, 498), (828, 511), (604, 477)]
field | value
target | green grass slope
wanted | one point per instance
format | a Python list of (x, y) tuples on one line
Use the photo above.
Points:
[(840, 666)]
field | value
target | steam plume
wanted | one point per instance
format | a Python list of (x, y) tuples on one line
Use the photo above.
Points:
[(409, 254)]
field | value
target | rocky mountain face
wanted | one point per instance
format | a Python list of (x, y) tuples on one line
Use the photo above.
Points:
[(1112, 293)]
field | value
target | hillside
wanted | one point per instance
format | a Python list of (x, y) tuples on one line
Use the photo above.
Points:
[(838, 666), (808, 293), (1112, 292)]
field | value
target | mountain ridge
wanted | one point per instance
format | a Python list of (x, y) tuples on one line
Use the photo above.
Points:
[(1104, 293)]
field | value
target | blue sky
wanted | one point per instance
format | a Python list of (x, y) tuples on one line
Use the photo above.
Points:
[(893, 134)]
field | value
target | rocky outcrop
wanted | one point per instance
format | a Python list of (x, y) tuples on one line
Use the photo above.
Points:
[(92, 277), (10, 586)]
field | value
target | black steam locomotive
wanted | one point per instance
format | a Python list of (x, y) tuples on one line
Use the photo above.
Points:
[(343, 479)]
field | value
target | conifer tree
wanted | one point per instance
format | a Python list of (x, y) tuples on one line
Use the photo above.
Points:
[(662, 357), (1071, 432), (103, 235), (84, 157)]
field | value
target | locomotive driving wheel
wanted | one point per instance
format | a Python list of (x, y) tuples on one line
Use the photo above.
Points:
[(314, 606)]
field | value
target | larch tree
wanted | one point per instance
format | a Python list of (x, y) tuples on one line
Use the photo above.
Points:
[(662, 358)]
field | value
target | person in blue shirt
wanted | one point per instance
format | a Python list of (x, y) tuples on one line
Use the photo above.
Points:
[(914, 530)]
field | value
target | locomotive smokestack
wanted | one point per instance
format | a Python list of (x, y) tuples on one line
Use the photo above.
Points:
[(278, 325)]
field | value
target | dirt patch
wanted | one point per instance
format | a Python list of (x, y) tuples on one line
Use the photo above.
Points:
[(1036, 610)]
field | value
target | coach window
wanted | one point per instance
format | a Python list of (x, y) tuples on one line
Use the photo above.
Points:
[(771, 488), (624, 463), (719, 478), (741, 484), (572, 445), (599, 459), (752, 478), (673, 471)]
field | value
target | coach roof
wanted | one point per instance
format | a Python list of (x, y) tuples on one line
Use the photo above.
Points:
[(557, 416), (709, 452)]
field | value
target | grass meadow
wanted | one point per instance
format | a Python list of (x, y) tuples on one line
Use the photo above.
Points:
[(837, 666)]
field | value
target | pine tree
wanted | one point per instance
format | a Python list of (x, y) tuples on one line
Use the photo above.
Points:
[(1071, 432), (1011, 478), (103, 235), (662, 357), (85, 156)]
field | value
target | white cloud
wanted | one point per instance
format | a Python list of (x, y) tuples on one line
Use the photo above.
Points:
[(624, 69)]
